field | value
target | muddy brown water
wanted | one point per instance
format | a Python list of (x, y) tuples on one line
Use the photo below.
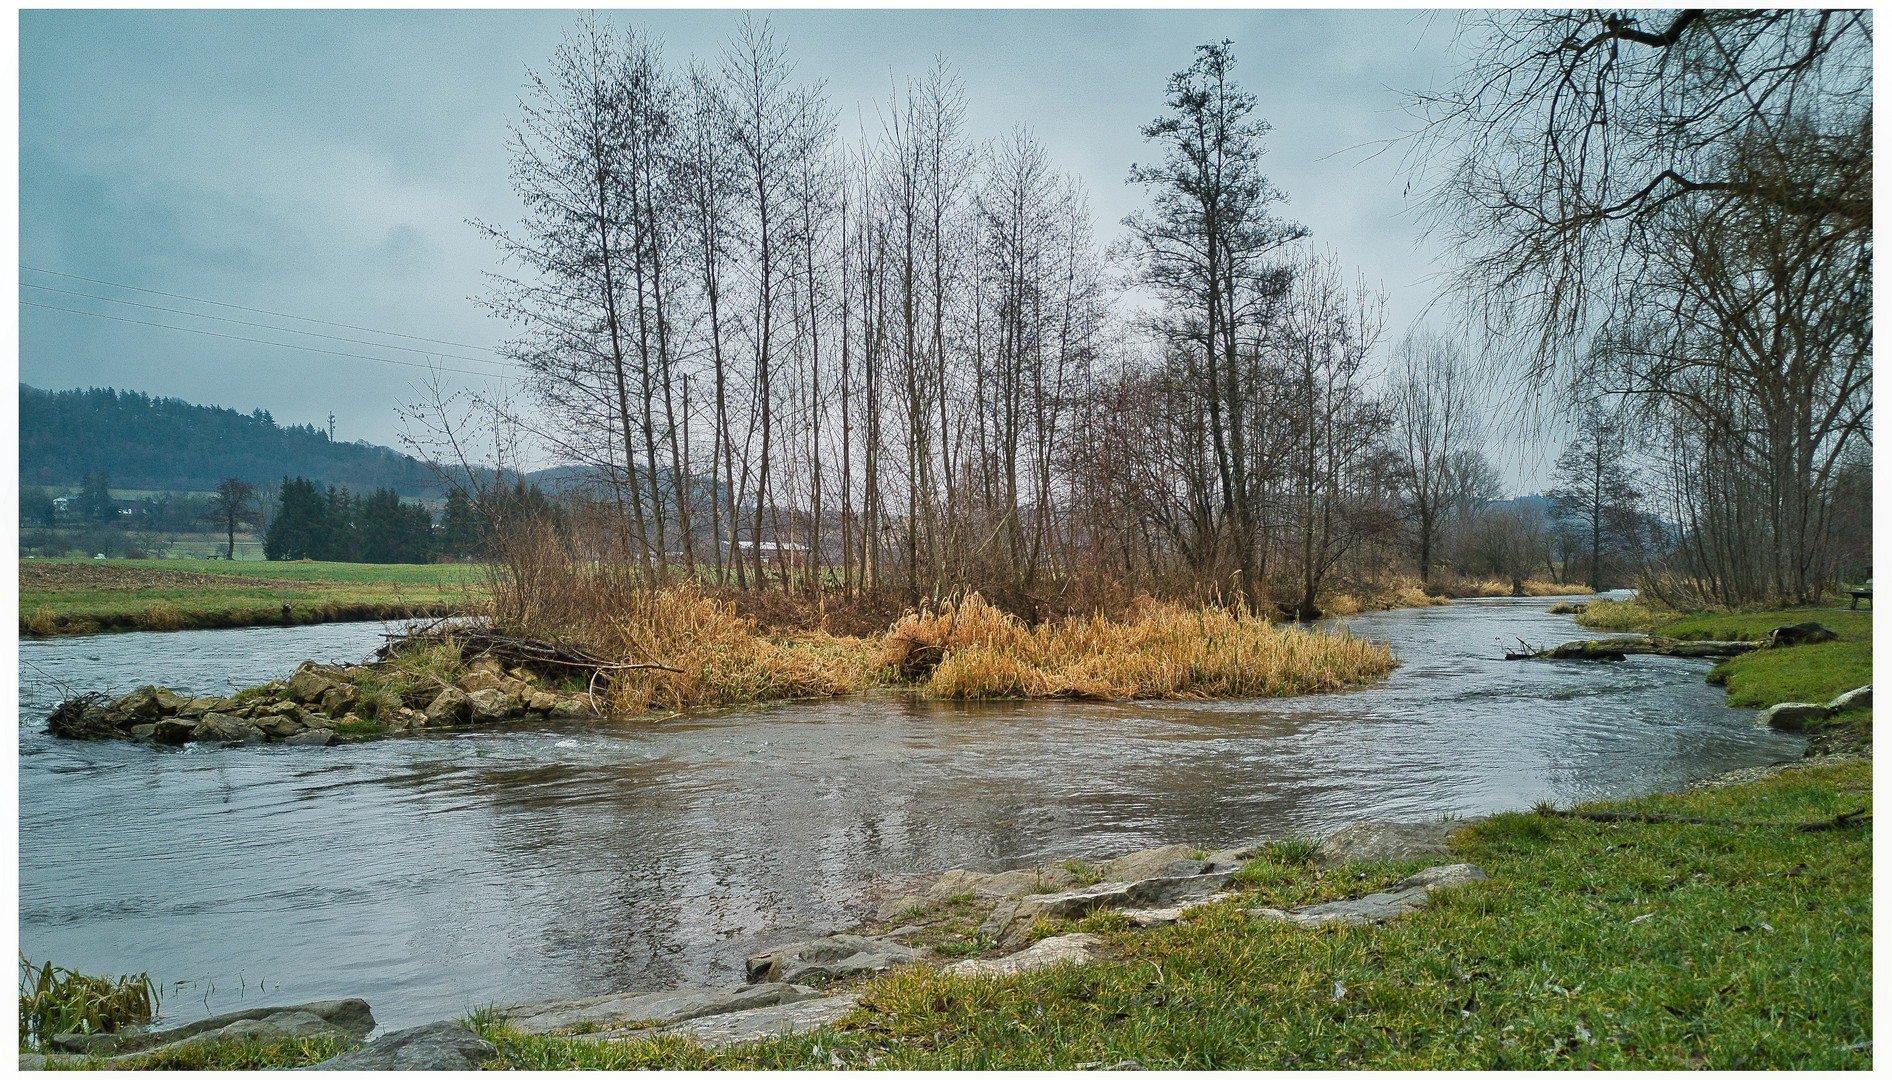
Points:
[(438, 873)]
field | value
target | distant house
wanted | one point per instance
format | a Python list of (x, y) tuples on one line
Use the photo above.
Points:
[(788, 556)]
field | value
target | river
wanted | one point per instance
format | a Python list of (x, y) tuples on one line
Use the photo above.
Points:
[(531, 860)]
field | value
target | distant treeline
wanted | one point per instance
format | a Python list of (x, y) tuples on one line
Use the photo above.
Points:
[(165, 444), (337, 525)]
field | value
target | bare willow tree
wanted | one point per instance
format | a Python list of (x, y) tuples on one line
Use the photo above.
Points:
[(1677, 206), (1434, 421)]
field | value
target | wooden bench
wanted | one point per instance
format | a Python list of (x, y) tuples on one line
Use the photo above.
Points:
[(1861, 594)]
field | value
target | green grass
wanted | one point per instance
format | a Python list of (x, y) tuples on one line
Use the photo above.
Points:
[(1754, 625), (1816, 673), (246, 1055), (1607, 945), (87, 595)]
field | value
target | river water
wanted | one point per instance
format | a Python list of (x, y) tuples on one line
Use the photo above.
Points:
[(531, 860)]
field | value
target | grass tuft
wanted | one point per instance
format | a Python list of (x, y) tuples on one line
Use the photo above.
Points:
[(56, 1001)]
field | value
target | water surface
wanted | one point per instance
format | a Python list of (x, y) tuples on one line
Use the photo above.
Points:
[(540, 859)]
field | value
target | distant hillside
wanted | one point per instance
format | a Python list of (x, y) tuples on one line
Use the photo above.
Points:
[(164, 444)]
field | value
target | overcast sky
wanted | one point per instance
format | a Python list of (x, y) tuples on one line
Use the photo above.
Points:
[(324, 164)]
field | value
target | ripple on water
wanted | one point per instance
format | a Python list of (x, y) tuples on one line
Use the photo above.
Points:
[(534, 860)]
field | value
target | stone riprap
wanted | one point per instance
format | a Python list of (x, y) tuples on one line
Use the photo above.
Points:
[(306, 709), (1406, 896)]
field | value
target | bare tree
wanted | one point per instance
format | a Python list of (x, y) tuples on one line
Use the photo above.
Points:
[(234, 504), (1433, 418)]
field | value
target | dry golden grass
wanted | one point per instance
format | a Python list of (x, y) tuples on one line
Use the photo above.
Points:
[(1158, 650)]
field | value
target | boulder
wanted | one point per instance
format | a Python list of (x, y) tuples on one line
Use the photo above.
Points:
[(444, 1044), (201, 705), (174, 730), (170, 702), (142, 731), (1156, 862), (141, 703), (571, 708), (490, 705), (476, 681), (489, 665), (340, 699), (1806, 633), (825, 959), (308, 685), (450, 706), (658, 1007), (313, 737), (1794, 715), (278, 708), (1381, 841), (1065, 949), (1852, 699), (218, 727), (280, 727), (540, 701)]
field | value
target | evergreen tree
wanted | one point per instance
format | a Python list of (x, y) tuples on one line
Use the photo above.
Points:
[(299, 527), (390, 532), (463, 529)]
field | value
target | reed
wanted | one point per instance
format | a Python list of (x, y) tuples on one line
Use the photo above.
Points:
[(56, 1000), (1157, 650)]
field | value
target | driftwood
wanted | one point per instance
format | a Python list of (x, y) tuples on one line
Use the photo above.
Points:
[(1621, 648), (1839, 821), (543, 656)]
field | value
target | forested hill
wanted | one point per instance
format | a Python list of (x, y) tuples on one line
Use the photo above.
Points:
[(164, 444)]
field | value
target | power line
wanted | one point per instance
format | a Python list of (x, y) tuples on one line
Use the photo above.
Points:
[(258, 325), (259, 311), (258, 341)]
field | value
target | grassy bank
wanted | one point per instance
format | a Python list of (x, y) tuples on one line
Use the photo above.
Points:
[(1612, 945), (1811, 673), (82, 596)]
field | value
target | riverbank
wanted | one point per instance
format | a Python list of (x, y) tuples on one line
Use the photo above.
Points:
[(1815, 673), (1742, 942), (87, 596)]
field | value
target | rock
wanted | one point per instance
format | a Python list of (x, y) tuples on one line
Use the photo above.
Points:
[(1147, 917), (142, 731), (440, 1045), (1852, 699), (1381, 841), (659, 1007), (1067, 948), (450, 706), (825, 959), (1011, 922), (217, 727), (281, 727), (201, 705), (479, 680), (571, 708), (899, 905), (141, 703), (350, 1015), (1156, 862), (491, 705), (309, 684), (170, 702), (278, 708), (313, 737), (727, 1029), (1794, 715), (1009, 883), (1806, 633), (1407, 895), (488, 665), (339, 700), (540, 701), (174, 730)]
